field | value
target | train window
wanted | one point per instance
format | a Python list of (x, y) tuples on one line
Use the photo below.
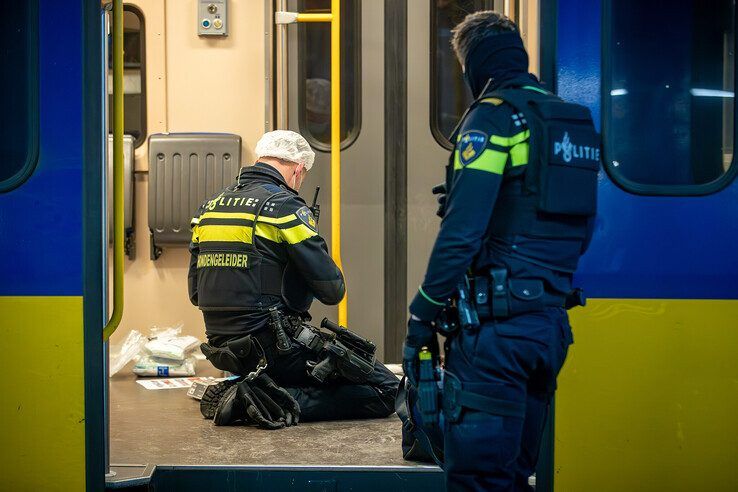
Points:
[(668, 114), (314, 88), (18, 92), (134, 75), (449, 94)]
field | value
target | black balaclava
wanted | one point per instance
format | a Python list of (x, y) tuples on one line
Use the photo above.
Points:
[(500, 57)]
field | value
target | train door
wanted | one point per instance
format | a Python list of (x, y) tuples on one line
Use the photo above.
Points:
[(648, 396), (362, 144), (388, 166), (51, 416)]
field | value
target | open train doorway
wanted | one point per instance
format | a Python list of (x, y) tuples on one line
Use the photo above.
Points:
[(198, 94)]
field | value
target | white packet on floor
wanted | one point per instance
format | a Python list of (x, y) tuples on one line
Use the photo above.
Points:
[(151, 366), (174, 347)]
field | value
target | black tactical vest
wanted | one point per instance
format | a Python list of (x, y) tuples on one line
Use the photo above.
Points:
[(233, 274), (557, 194)]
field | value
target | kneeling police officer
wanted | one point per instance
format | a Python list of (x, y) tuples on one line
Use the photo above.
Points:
[(257, 262), (517, 211)]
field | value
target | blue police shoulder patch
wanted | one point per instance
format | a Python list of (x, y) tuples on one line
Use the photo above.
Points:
[(307, 218), (471, 145)]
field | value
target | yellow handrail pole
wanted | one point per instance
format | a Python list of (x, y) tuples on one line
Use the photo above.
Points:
[(314, 17), (336, 149), (117, 48), (334, 17)]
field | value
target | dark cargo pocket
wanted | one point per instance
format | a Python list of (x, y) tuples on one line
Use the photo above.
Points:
[(533, 328)]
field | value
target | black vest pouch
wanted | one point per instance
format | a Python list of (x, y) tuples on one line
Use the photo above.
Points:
[(526, 296), (564, 152), (569, 160), (238, 356)]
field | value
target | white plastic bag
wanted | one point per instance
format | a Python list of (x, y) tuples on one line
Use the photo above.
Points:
[(166, 343), (152, 366), (122, 354)]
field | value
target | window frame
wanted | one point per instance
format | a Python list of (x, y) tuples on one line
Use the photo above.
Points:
[(353, 131), (438, 135), (32, 151), (144, 99), (613, 173)]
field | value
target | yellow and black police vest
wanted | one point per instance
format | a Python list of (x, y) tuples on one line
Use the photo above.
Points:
[(239, 241)]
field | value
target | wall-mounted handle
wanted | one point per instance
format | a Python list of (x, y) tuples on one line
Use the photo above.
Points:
[(118, 233)]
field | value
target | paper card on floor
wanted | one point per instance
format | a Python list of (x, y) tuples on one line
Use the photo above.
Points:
[(173, 383)]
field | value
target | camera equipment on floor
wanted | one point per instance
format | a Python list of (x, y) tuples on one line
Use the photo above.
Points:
[(341, 352)]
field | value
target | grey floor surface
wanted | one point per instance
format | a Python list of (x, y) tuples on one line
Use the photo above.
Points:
[(165, 427)]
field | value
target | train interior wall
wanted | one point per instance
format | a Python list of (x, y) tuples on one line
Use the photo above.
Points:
[(193, 84)]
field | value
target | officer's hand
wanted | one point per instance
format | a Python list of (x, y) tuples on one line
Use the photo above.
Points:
[(267, 405), (419, 334), (287, 404), (440, 190)]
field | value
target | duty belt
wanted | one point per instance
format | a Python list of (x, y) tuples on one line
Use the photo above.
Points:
[(496, 296)]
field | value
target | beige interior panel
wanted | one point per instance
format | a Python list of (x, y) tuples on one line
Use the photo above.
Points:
[(193, 84)]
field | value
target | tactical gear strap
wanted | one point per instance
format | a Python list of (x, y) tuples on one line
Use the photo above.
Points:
[(498, 277), (481, 297), (475, 396)]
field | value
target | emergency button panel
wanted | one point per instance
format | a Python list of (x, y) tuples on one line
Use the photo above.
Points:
[(212, 17)]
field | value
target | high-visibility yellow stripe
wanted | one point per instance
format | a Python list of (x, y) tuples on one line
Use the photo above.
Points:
[(243, 234), (297, 234), (246, 216), (519, 154), (492, 100), (510, 141), (492, 161), (268, 232), (224, 233), (457, 161)]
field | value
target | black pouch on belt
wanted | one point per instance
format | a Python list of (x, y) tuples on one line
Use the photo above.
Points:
[(510, 296), (239, 356)]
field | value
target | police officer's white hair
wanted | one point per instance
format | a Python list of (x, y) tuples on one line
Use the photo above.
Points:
[(286, 145), (475, 27)]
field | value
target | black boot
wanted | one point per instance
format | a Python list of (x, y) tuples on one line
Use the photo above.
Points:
[(230, 409), (213, 395)]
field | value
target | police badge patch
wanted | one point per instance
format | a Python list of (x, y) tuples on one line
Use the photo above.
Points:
[(307, 218), (471, 145)]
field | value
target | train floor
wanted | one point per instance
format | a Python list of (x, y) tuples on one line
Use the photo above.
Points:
[(151, 428)]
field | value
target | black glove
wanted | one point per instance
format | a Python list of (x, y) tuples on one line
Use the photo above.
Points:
[(260, 402), (440, 190), (419, 334)]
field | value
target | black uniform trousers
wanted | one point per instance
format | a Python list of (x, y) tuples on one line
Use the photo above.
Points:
[(336, 398), (518, 359)]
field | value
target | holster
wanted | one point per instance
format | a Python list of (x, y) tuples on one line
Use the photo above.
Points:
[(239, 356)]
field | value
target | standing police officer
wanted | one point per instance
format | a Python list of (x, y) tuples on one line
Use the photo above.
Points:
[(519, 200), (257, 257)]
